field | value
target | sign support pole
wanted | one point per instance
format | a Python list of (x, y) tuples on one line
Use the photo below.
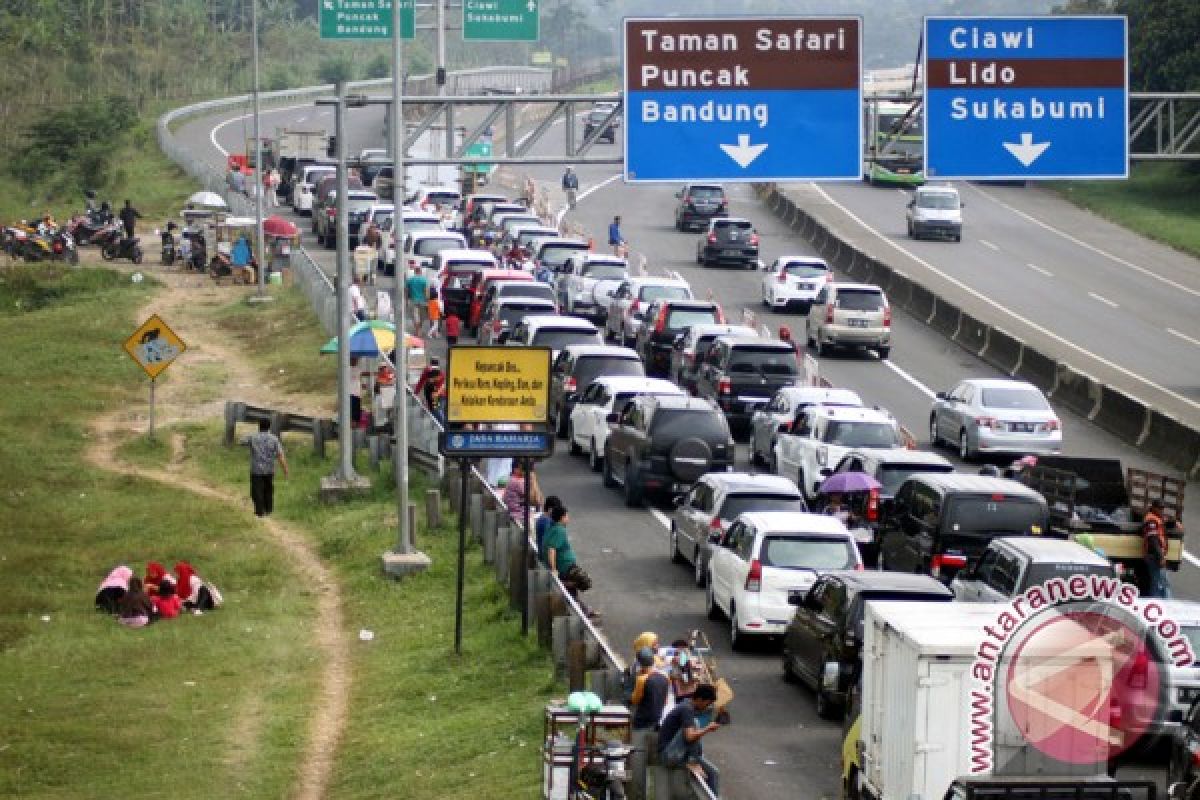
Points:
[(404, 543), (522, 578), (345, 423), (153, 382), (464, 469)]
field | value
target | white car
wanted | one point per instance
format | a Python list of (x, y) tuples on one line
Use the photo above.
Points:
[(587, 282), (782, 411), (822, 435), (588, 428), (794, 281), (555, 332), (304, 192), (763, 557), (627, 307), (422, 246), (935, 211), (414, 221)]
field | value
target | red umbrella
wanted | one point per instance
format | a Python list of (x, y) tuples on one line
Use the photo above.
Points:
[(278, 226)]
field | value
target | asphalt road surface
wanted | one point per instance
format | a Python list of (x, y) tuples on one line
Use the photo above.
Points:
[(777, 747)]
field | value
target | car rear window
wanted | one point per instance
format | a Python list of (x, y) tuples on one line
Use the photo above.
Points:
[(681, 318), (1013, 515), (852, 433), (588, 368), (527, 289), (677, 423), (741, 503), (624, 397), (858, 300), (820, 553), (1040, 573), (557, 338), (604, 272), (443, 198), (940, 200), (422, 224), (512, 313), (431, 246), (556, 254), (739, 224), (705, 193), (1015, 399), (891, 476), (767, 360), (806, 270), (648, 294)]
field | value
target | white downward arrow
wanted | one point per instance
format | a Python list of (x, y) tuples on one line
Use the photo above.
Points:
[(532, 6), (743, 152), (1026, 152)]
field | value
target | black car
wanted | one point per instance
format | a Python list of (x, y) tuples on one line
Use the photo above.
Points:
[(698, 203), (740, 375), (597, 118), (940, 523), (662, 445), (665, 320), (575, 368), (728, 240), (822, 646)]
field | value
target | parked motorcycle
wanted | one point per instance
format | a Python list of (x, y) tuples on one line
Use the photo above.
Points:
[(171, 247), (62, 246), (123, 248)]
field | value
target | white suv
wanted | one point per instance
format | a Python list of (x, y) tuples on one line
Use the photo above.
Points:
[(794, 281), (628, 304), (823, 435), (587, 283), (304, 192), (850, 315), (935, 211), (606, 395), (765, 556)]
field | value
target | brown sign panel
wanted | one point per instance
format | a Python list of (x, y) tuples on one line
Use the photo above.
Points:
[(777, 53), (1026, 73)]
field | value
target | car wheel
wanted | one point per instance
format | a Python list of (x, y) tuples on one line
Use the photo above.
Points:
[(609, 481), (737, 639), (765, 300), (700, 258), (710, 603), (803, 484), (910, 230), (964, 447), (574, 447), (808, 337), (773, 464), (934, 439), (822, 349), (676, 556), (852, 790), (560, 423), (699, 569), (633, 492), (756, 458), (789, 673), (594, 459), (884, 352), (826, 707)]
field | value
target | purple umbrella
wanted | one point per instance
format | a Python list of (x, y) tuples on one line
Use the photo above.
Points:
[(849, 482)]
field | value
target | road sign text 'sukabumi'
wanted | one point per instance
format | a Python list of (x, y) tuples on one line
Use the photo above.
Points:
[(743, 98)]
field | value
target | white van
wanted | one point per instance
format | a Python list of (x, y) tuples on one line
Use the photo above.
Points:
[(935, 211)]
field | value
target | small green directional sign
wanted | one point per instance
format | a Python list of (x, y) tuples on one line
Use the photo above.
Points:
[(365, 19), (501, 20)]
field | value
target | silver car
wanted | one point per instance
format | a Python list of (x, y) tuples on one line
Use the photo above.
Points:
[(765, 424), (995, 416)]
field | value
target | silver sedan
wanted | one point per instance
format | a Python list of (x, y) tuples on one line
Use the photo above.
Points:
[(995, 416)]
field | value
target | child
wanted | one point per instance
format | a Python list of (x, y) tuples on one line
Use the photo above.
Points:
[(435, 312), (166, 601), (453, 329)]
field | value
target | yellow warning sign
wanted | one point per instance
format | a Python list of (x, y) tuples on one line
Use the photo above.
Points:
[(154, 346), (498, 384)]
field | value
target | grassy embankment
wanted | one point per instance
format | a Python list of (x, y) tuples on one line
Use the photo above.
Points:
[(1160, 201)]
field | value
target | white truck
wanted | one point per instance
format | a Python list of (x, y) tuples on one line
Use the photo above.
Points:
[(295, 143), (821, 435), (918, 732)]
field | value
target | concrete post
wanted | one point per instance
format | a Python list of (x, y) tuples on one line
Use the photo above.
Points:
[(475, 514), (433, 508), (516, 574), (489, 537), (576, 666)]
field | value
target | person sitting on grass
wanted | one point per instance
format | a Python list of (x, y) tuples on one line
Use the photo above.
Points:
[(196, 594), (113, 589), (135, 609), (166, 602), (155, 572)]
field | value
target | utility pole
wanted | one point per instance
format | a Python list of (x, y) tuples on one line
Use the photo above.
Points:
[(441, 47), (342, 235), (260, 237)]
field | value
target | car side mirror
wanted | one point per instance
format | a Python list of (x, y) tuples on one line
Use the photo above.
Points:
[(940, 396), (613, 418), (797, 598)]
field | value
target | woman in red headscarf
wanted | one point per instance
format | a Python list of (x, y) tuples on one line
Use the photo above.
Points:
[(193, 591), (155, 572)]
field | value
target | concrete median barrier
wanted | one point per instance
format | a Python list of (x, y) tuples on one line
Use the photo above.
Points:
[(858, 266), (920, 300), (1038, 369), (1172, 441), (1076, 391), (945, 317), (1122, 415), (972, 333), (1003, 350)]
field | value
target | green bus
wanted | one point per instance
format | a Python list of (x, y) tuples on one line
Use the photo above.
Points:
[(894, 131)]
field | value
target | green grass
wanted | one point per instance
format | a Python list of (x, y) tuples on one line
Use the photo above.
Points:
[(87, 708), (1160, 201)]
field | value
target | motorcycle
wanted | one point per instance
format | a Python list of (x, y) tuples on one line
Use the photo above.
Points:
[(122, 247), (62, 245), (172, 249), (89, 228)]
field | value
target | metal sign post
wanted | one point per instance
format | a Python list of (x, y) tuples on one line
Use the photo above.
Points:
[(464, 469), (154, 346)]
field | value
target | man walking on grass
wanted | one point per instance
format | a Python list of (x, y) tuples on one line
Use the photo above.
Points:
[(265, 450)]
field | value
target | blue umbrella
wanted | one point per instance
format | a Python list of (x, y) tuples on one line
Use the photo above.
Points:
[(849, 482)]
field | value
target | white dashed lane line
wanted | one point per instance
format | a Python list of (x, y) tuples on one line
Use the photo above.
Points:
[(1103, 299), (1040, 270), (1184, 336), (989, 245)]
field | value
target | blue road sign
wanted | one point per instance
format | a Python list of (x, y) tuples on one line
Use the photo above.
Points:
[(743, 99), (1015, 98), (500, 444)]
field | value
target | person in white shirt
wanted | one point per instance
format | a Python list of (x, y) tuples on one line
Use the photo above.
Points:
[(358, 304), (383, 306)]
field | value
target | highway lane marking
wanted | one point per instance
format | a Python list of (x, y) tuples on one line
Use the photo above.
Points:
[(1103, 299), (1087, 246), (922, 388), (1003, 309), (1191, 559), (988, 244), (1183, 336), (562, 212), (1036, 268), (212, 135), (664, 520)]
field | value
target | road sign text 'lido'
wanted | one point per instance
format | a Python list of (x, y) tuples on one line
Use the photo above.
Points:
[(743, 98)]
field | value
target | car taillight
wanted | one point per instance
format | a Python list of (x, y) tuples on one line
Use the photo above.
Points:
[(495, 326), (829, 314), (569, 384), (724, 386), (873, 506), (989, 422), (714, 524), (887, 317), (1052, 425), (712, 238), (754, 577), (331, 212), (857, 568), (637, 304), (754, 239), (951, 560), (782, 277), (660, 324), (720, 316)]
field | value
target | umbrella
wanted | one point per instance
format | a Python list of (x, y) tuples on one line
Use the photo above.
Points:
[(371, 339), (849, 482), (207, 199), (278, 226)]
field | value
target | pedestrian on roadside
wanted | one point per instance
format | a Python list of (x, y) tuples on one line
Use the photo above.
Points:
[(650, 691), (785, 335), (433, 308), (239, 180), (615, 239), (129, 217), (543, 521), (570, 185), (275, 182), (1154, 535), (358, 303), (682, 730), (453, 329), (514, 492), (559, 556), (265, 450), (416, 288)]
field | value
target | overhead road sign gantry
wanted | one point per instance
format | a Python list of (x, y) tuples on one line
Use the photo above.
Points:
[(365, 19), (1017, 98), (743, 99)]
